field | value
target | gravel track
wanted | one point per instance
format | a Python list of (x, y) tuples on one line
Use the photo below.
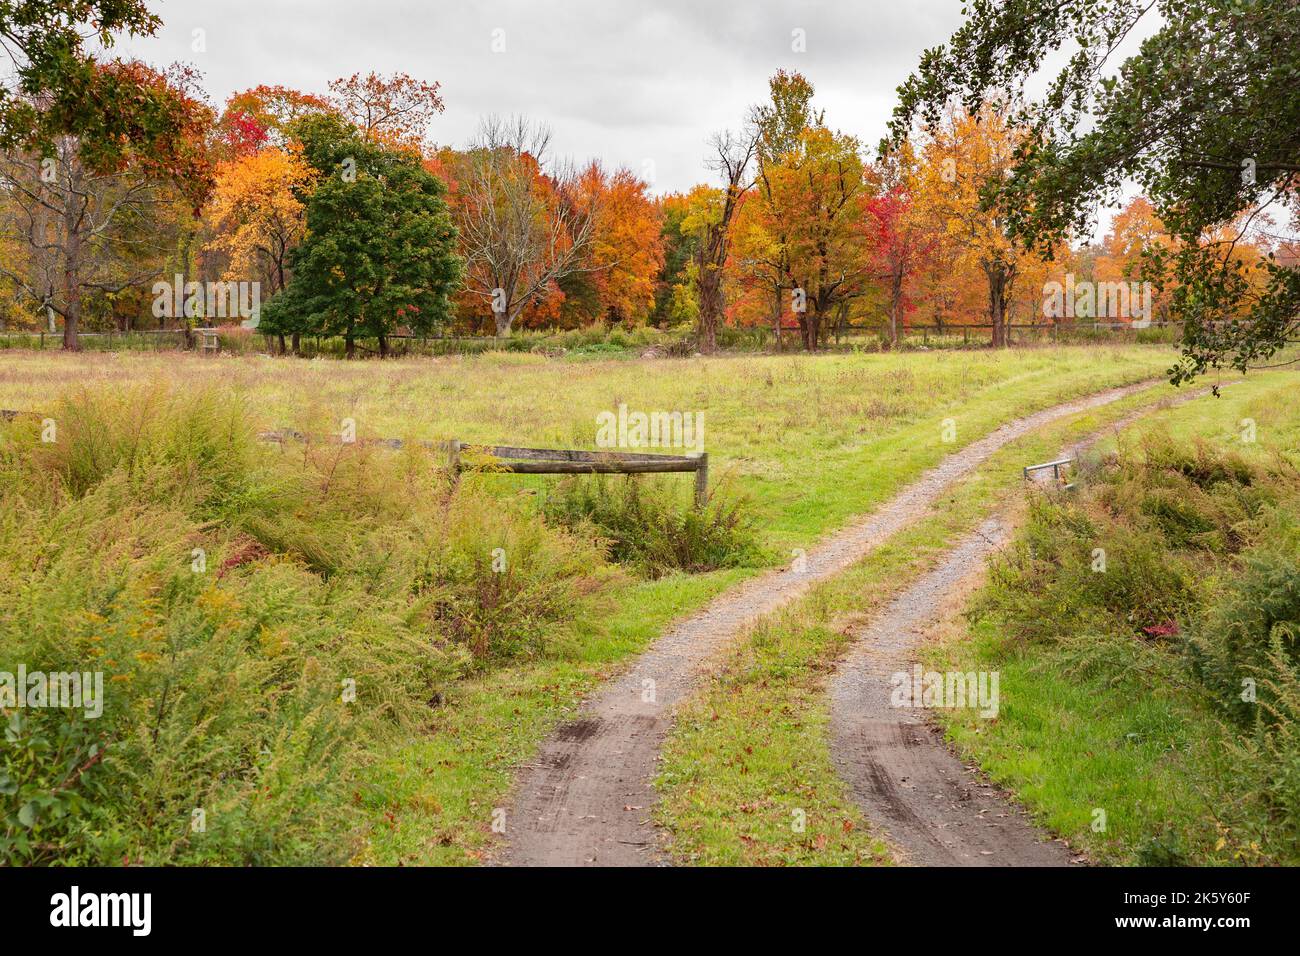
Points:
[(586, 798), (932, 808)]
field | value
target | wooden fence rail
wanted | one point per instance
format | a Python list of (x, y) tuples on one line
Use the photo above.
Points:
[(516, 459), (519, 460)]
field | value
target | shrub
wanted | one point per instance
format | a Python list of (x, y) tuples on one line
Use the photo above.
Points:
[(1163, 516), (264, 621), (1262, 787), (653, 525), (1201, 592), (503, 587), (1251, 631)]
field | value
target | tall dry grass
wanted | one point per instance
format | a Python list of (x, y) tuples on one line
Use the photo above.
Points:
[(264, 619)]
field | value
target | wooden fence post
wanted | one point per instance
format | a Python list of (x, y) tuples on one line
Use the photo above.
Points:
[(453, 461), (702, 480)]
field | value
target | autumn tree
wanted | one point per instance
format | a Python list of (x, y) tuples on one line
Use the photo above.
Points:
[(380, 249), (757, 269), (56, 90), (396, 110), (260, 117), (762, 247), (522, 228), (964, 157), (948, 293), (710, 219), (902, 239), (811, 198), (1137, 247), (258, 214), (91, 221), (626, 250)]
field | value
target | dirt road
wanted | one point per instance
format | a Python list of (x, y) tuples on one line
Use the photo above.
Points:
[(586, 799), (915, 791)]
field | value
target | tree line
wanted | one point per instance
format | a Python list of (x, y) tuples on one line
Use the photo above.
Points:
[(354, 223)]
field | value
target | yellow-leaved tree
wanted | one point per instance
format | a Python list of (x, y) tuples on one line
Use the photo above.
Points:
[(257, 213), (961, 156)]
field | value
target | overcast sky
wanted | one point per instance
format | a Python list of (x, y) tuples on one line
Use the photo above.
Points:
[(636, 83)]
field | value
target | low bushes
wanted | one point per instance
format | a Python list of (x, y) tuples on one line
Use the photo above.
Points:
[(264, 620), (652, 524), (1179, 566)]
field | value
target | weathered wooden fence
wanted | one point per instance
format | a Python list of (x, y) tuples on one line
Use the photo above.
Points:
[(519, 460), (1058, 467)]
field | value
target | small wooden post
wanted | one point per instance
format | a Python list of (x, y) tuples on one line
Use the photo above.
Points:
[(453, 461), (702, 480)]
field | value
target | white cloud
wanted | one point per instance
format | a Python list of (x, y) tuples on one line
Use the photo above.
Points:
[(621, 80)]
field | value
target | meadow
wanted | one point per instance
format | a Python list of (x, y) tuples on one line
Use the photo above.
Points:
[(805, 438), (1097, 712), (357, 561)]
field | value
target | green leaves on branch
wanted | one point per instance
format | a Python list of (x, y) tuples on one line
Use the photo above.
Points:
[(1203, 117)]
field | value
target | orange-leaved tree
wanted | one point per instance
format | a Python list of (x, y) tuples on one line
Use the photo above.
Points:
[(626, 252), (394, 110), (813, 190), (963, 156), (258, 213)]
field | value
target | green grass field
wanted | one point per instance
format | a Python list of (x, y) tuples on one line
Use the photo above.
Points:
[(809, 442), (1120, 725)]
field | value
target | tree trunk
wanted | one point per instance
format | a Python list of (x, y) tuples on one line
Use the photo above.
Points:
[(295, 342), (997, 277), (72, 290), (281, 338), (711, 308), (349, 346), (505, 319), (810, 330), (383, 346), (895, 308), (776, 316)]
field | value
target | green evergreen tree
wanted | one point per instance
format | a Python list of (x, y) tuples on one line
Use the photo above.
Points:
[(380, 253)]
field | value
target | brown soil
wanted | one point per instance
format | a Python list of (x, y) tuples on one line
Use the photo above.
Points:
[(935, 810), (586, 799)]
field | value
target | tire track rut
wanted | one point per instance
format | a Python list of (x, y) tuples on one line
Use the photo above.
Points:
[(914, 790), (586, 799)]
